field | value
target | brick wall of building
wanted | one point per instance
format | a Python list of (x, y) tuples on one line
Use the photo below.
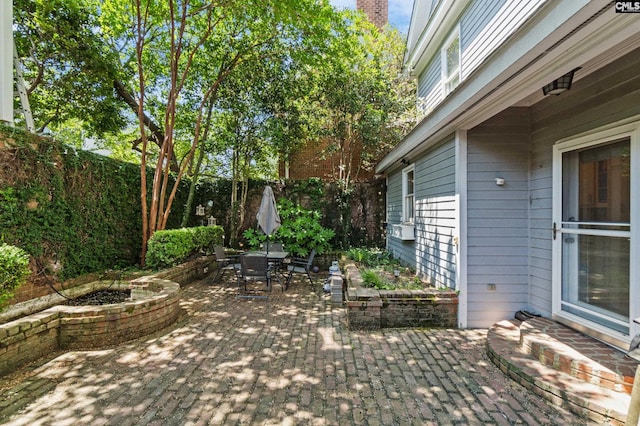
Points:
[(310, 162), (376, 10)]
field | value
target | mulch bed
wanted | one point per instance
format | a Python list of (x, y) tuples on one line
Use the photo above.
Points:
[(101, 297)]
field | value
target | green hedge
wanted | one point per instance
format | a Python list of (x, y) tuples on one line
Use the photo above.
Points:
[(14, 270), (174, 246), (74, 212)]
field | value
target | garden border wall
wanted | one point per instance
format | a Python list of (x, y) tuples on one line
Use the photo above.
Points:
[(371, 309), (155, 305)]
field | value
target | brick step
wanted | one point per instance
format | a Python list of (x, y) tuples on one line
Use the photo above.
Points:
[(578, 355), (506, 349)]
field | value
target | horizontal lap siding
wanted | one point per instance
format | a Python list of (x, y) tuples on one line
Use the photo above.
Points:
[(540, 226), (606, 96), (429, 88), (486, 25), (497, 217), (436, 215), (403, 250)]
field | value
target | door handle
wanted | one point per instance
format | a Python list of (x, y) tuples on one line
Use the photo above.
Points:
[(555, 230)]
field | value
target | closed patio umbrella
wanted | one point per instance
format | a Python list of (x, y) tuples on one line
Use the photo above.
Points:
[(268, 217)]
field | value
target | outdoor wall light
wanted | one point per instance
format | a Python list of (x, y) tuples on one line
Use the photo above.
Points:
[(499, 181), (405, 161), (560, 85)]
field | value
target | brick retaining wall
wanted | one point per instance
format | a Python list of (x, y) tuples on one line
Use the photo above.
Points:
[(370, 309), (88, 327)]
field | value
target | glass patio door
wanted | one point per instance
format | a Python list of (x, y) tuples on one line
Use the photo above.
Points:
[(594, 233)]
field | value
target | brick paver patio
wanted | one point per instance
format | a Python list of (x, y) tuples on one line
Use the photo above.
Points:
[(286, 360)]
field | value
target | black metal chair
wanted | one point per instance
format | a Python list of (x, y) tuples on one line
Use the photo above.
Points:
[(301, 266), (225, 262), (253, 268), (276, 264)]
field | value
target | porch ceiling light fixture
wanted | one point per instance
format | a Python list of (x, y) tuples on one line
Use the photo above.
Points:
[(560, 85)]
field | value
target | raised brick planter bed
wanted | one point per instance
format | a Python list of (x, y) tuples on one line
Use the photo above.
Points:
[(374, 309), (371, 309), (155, 305)]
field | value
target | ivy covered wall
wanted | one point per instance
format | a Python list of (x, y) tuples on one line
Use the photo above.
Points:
[(76, 212)]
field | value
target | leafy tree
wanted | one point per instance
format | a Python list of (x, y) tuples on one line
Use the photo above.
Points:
[(364, 102), (246, 127), (68, 68), (206, 42), (219, 87)]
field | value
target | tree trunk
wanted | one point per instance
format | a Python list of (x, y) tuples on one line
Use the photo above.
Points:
[(194, 172)]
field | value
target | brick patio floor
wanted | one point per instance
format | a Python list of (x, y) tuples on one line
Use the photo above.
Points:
[(286, 360)]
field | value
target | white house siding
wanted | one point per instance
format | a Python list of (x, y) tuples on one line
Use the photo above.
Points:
[(403, 250), (497, 218), (484, 26), (606, 96), (435, 228), (429, 89)]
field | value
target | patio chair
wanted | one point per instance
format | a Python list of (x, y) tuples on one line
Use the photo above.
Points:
[(301, 266), (253, 268), (276, 246), (276, 264), (225, 262)]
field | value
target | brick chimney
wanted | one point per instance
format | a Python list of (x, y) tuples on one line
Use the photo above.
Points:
[(376, 10)]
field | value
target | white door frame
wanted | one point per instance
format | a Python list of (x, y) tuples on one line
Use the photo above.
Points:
[(625, 128)]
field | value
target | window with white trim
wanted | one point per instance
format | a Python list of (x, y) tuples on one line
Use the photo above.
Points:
[(408, 200), (451, 62)]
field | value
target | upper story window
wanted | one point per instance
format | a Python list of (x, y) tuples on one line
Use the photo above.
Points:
[(408, 199), (451, 62)]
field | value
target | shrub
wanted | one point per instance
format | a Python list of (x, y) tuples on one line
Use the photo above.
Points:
[(205, 237), (300, 231), (371, 257), (14, 270), (174, 246), (372, 278), (375, 278)]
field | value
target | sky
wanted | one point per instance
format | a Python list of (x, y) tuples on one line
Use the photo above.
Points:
[(399, 12)]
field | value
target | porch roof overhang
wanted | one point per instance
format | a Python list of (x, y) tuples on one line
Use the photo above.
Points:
[(561, 36)]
